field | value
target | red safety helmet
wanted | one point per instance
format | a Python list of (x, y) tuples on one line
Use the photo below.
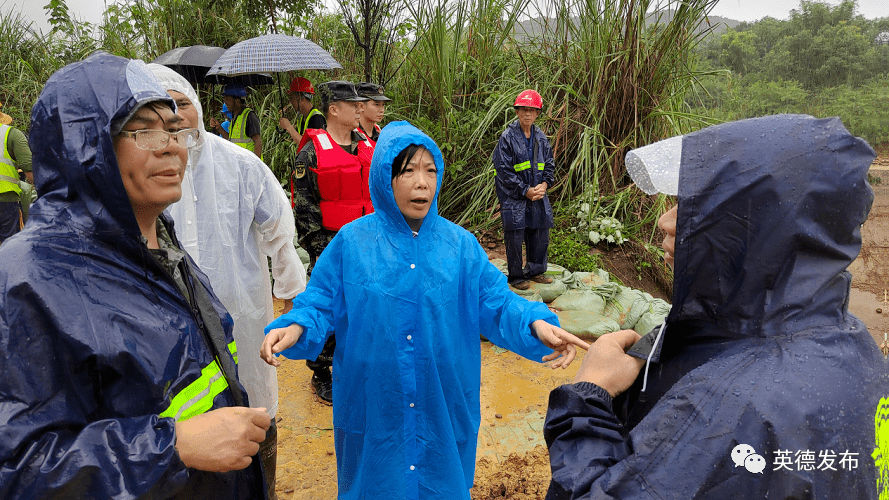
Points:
[(300, 84), (529, 99)]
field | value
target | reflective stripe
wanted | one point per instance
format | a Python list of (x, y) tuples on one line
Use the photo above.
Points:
[(540, 166), (522, 166), (233, 348), (197, 397)]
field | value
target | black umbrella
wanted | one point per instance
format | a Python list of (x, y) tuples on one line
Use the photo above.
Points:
[(194, 61)]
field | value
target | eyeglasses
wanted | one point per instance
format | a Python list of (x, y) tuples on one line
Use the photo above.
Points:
[(152, 140)]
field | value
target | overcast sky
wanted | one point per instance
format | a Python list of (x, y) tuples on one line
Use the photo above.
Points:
[(740, 10)]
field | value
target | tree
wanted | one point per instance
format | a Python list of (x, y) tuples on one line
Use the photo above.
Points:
[(739, 51), (375, 26)]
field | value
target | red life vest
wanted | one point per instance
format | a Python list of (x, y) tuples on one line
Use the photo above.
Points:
[(342, 180), (363, 134)]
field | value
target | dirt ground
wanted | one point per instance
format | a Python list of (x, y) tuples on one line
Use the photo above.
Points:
[(513, 462)]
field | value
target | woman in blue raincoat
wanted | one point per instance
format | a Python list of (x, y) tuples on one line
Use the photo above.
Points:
[(407, 293)]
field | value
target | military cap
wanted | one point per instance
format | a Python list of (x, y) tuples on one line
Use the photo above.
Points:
[(371, 91), (338, 91)]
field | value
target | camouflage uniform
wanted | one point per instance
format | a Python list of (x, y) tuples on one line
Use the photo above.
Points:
[(306, 201), (307, 213)]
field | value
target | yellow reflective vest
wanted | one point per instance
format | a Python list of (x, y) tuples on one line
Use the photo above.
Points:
[(238, 131), (305, 124), (9, 174)]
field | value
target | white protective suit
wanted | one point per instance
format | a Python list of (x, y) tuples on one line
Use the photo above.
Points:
[(233, 213)]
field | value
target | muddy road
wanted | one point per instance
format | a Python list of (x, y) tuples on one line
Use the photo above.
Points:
[(512, 459)]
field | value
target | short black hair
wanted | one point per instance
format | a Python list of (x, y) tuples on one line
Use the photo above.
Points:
[(400, 162)]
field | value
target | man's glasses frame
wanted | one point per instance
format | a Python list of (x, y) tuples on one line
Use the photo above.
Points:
[(152, 140)]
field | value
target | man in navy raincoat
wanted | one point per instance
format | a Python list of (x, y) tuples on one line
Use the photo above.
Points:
[(118, 363), (407, 306), (762, 384), (525, 170)]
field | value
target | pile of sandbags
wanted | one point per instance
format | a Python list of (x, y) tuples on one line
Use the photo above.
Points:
[(589, 305)]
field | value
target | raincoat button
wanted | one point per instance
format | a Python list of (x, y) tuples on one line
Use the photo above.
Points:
[(412, 405), (409, 337), (189, 223), (413, 266), (412, 467)]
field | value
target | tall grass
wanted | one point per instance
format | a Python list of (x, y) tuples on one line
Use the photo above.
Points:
[(610, 79), (614, 75)]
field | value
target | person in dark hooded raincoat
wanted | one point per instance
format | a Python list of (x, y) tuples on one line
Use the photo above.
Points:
[(762, 384), (407, 293), (110, 350)]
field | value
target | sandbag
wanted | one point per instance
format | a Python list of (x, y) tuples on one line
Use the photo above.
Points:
[(530, 294), (654, 315), (580, 300), (620, 307), (549, 291), (501, 265), (585, 324), (581, 280)]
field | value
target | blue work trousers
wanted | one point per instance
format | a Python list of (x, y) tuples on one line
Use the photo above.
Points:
[(536, 246), (10, 219)]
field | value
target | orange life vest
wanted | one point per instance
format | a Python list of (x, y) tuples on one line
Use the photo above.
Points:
[(342, 180)]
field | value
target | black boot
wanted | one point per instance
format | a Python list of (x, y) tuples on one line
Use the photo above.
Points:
[(323, 386), (268, 453)]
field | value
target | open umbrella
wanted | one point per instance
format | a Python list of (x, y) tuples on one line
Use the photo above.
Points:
[(194, 61), (272, 54)]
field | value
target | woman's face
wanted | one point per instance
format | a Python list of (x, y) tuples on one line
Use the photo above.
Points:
[(414, 188)]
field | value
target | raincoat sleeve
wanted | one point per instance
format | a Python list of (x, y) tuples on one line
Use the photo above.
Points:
[(504, 162), (584, 440), (549, 169), (20, 149), (276, 227), (52, 445), (505, 317), (314, 308)]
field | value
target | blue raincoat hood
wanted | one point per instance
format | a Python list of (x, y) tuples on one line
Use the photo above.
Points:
[(394, 138), (407, 309), (78, 179), (761, 244)]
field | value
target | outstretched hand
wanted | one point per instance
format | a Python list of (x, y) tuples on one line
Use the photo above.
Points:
[(561, 342), (607, 364), (278, 340)]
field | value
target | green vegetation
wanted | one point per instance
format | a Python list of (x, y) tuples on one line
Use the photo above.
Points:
[(615, 74), (823, 61)]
